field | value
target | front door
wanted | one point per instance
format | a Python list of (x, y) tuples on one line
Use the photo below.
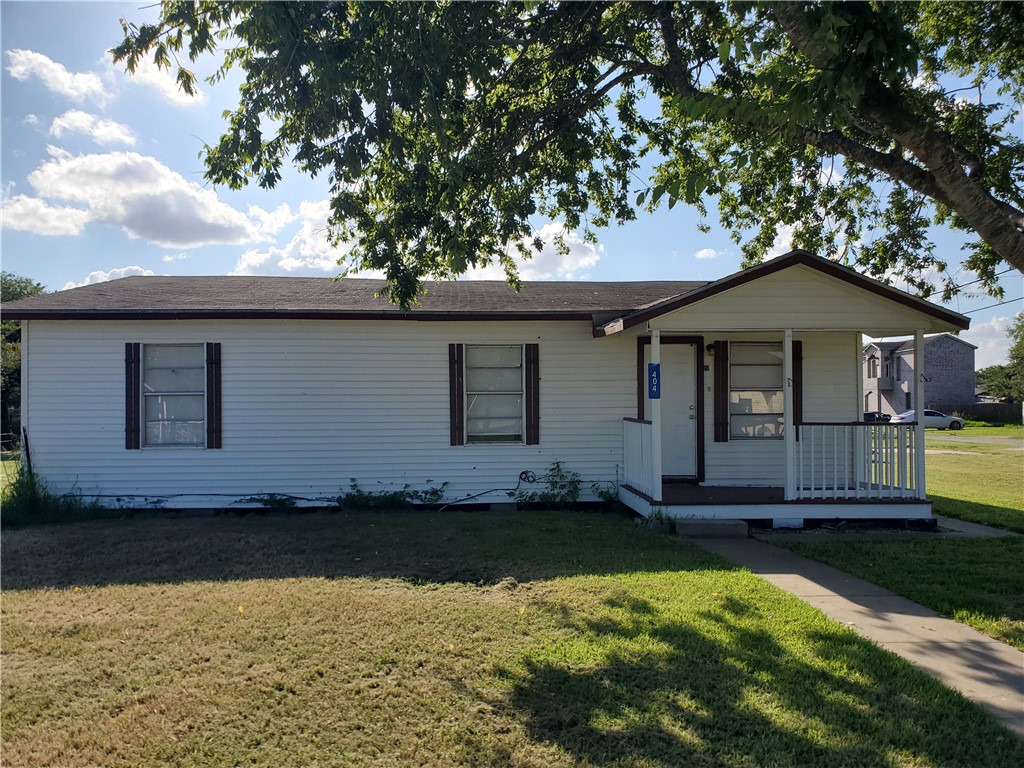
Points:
[(679, 416)]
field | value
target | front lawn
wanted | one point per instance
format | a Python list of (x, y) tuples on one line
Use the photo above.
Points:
[(437, 639), (981, 480), (977, 581)]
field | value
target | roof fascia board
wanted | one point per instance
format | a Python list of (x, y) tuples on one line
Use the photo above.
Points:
[(794, 258), (287, 314)]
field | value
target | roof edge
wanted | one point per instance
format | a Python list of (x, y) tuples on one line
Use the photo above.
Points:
[(291, 314), (796, 257)]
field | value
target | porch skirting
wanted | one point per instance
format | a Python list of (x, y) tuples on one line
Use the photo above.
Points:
[(766, 503)]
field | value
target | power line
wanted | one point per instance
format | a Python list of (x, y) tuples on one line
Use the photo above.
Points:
[(958, 287), (990, 306)]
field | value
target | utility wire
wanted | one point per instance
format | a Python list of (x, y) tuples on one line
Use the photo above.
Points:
[(990, 306), (958, 287)]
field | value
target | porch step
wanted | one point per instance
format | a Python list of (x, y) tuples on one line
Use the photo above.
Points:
[(711, 529)]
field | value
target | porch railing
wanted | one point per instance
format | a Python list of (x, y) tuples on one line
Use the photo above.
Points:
[(638, 441), (857, 461)]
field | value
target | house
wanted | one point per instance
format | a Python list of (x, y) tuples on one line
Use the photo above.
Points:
[(738, 398), (948, 372)]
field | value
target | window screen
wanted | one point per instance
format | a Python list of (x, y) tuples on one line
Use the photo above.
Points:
[(174, 394), (494, 394), (756, 399)]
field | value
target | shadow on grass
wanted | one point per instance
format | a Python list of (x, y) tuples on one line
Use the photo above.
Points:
[(977, 581), (724, 691), (986, 514), (421, 547)]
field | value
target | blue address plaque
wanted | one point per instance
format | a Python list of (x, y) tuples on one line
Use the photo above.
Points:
[(654, 381)]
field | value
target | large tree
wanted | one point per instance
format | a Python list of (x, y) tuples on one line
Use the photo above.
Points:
[(446, 129), (12, 288)]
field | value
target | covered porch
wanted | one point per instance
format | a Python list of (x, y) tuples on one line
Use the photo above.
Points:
[(839, 471), (750, 399)]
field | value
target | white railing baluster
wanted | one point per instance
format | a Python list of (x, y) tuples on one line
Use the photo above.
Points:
[(865, 461)]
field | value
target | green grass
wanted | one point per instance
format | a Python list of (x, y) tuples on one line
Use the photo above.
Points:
[(984, 429), (8, 471), (979, 581), (441, 639), (979, 481)]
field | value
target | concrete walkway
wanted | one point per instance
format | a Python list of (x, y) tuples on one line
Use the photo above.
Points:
[(984, 670)]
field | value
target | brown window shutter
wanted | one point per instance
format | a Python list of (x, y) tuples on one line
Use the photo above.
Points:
[(532, 394), (721, 391), (132, 395), (456, 394), (213, 396), (798, 384)]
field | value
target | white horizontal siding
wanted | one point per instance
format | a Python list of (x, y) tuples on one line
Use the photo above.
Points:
[(801, 299), (307, 405)]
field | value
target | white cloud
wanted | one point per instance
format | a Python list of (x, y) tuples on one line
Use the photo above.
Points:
[(308, 252), (168, 258), (164, 82), (31, 119), (114, 274), (549, 264), (30, 214), (706, 253), (783, 242), (272, 222), (99, 130), (78, 86), (991, 340), (141, 195)]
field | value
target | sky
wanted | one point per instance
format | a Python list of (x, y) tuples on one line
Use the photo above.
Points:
[(102, 178)]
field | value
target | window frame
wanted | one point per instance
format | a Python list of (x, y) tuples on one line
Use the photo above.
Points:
[(522, 393), (731, 364), (458, 428), (143, 395)]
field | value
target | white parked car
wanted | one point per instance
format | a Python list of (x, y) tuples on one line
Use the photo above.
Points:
[(932, 420)]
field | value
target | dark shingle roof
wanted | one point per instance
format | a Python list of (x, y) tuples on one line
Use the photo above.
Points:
[(157, 297)]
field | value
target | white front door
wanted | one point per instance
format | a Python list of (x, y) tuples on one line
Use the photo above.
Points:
[(679, 417)]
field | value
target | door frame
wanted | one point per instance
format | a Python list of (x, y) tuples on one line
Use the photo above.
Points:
[(698, 374)]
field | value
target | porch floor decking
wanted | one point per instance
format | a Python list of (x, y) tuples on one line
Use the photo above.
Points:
[(683, 494)]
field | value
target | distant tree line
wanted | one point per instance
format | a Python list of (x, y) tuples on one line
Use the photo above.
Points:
[(1007, 380), (12, 288)]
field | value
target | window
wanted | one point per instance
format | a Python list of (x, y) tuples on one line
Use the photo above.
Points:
[(756, 398), (172, 395), (494, 393), (872, 367)]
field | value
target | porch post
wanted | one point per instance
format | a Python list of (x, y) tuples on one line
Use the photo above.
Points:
[(656, 422), (788, 428), (919, 411)]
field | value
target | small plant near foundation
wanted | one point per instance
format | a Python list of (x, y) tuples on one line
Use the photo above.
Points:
[(27, 501), (606, 491), (273, 502), (562, 488), (659, 520), (359, 499)]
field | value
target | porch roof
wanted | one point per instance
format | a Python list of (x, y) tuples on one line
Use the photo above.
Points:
[(849, 278)]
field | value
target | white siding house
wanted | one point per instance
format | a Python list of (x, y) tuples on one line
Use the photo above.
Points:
[(210, 392)]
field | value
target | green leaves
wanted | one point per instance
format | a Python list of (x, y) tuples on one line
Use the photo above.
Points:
[(446, 128)]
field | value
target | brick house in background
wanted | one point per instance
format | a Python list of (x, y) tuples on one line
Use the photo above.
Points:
[(889, 374)]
